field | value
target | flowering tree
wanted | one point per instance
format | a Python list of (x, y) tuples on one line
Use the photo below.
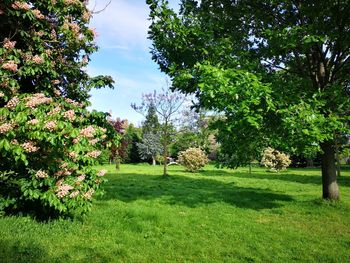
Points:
[(167, 105), (48, 140), (118, 151)]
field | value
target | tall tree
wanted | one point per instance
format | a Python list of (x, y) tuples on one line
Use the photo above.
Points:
[(278, 70), (151, 124), (167, 105), (49, 141)]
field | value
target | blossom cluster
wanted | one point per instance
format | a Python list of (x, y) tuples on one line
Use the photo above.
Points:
[(21, 5), (37, 99), (10, 65), (9, 44), (93, 154), (30, 147), (275, 160), (5, 127), (70, 115), (41, 174), (63, 190), (88, 132), (50, 125)]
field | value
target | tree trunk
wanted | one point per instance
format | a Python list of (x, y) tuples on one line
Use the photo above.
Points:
[(165, 161), (153, 160), (337, 157), (329, 175)]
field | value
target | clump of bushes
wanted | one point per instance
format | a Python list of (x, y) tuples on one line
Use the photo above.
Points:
[(193, 159), (275, 160)]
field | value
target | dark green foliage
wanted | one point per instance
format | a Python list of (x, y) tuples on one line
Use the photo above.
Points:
[(133, 137), (151, 124)]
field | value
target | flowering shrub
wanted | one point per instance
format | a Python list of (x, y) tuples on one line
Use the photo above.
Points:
[(275, 160), (47, 157), (49, 142), (193, 159)]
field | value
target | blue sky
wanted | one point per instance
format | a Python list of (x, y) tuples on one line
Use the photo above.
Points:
[(124, 55)]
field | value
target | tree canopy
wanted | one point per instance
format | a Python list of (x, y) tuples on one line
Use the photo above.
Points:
[(277, 70)]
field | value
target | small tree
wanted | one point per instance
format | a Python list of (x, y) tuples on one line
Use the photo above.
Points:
[(275, 160), (167, 105), (150, 146), (193, 159)]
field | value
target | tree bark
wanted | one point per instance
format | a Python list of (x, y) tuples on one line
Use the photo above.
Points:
[(337, 157), (329, 175), (153, 160)]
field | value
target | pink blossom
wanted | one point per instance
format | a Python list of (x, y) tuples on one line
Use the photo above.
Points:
[(10, 65), (9, 44), (63, 190), (70, 115), (33, 122), (50, 125), (20, 5), (101, 172), (75, 28), (76, 140), (37, 59), (37, 99), (74, 194), (81, 178), (41, 174), (93, 154), (88, 132), (67, 172), (54, 111), (70, 2), (12, 103), (14, 141), (73, 155), (56, 82), (64, 165), (70, 101), (94, 141), (2, 94), (86, 16), (53, 34), (5, 128), (89, 193), (30, 147), (38, 14)]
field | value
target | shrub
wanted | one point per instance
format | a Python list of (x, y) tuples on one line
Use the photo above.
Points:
[(193, 159), (275, 160), (48, 147)]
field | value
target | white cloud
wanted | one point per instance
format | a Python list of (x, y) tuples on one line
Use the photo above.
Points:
[(124, 23)]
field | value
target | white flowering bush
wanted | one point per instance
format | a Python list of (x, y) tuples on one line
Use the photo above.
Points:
[(48, 148), (275, 160), (193, 159)]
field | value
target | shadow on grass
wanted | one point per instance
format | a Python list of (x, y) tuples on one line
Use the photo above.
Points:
[(283, 176), (17, 252), (191, 192)]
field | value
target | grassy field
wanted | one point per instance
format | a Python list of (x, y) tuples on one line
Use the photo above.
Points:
[(211, 216)]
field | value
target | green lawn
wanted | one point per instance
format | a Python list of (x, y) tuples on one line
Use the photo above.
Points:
[(211, 216)]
